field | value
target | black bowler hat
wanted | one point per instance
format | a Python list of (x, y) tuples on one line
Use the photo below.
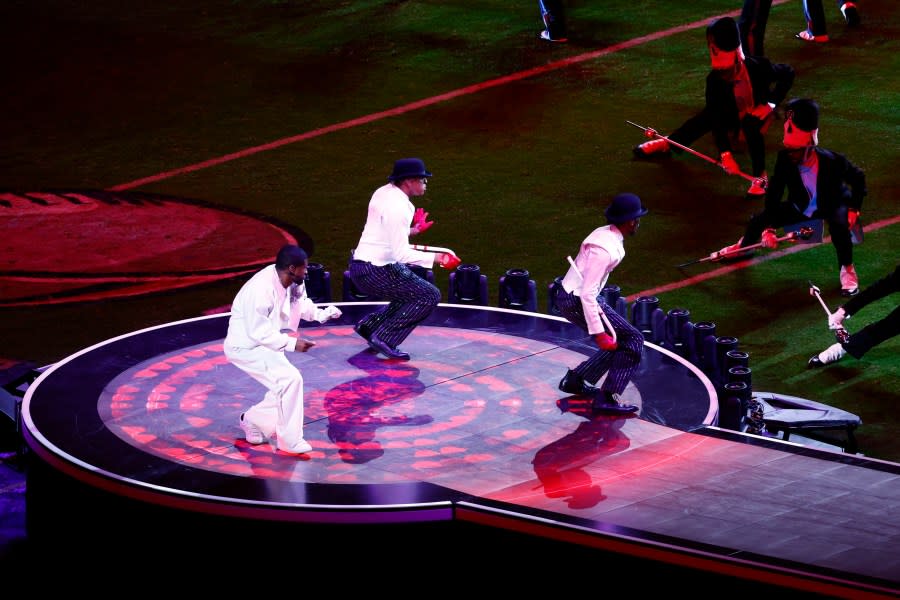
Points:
[(724, 34), (624, 207), (804, 114), (408, 168)]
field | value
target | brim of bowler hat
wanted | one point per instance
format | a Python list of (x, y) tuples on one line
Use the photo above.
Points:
[(628, 218), (412, 176)]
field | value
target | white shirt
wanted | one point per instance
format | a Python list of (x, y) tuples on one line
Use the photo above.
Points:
[(600, 253), (385, 237), (263, 308)]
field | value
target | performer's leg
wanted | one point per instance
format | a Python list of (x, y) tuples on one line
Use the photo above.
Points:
[(873, 334), (412, 300), (840, 236), (571, 309), (554, 17), (756, 144), (258, 363), (814, 13), (691, 130), (625, 359), (289, 383)]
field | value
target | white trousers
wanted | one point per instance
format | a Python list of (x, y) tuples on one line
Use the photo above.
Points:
[(280, 413)]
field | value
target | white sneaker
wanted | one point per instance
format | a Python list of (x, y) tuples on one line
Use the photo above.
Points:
[(849, 281), (832, 353), (252, 433), (545, 35), (807, 36), (301, 446)]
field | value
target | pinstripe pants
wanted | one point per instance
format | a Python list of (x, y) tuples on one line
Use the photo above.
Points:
[(621, 363), (410, 299)]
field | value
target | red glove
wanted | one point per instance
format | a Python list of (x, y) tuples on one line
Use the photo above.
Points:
[(852, 217), (605, 341), (420, 220), (448, 260), (729, 164), (769, 240)]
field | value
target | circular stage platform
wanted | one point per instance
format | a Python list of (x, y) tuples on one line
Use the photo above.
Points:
[(438, 465), (153, 415)]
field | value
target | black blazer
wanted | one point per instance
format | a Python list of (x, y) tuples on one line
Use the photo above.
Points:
[(836, 173), (770, 82)]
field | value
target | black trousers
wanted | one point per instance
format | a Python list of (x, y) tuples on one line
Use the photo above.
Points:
[(553, 12), (873, 334), (752, 25), (702, 123)]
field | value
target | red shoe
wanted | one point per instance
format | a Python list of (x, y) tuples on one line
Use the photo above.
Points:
[(758, 186), (657, 146), (849, 281)]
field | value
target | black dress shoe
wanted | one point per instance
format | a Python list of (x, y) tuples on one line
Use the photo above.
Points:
[(609, 402), (573, 383), (362, 332), (814, 362), (387, 350)]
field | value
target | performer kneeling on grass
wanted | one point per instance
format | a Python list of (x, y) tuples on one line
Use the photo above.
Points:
[(579, 301), (820, 184), (380, 260), (872, 334), (741, 95)]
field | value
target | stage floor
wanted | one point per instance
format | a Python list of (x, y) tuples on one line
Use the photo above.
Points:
[(472, 429)]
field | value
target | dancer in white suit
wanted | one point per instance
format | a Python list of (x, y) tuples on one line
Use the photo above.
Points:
[(270, 303)]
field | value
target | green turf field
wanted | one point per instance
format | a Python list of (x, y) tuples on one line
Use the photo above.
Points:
[(103, 94)]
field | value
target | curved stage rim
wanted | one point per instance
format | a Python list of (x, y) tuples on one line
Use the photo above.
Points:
[(470, 437)]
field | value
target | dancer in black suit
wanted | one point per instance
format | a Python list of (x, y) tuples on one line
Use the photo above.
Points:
[(820, 184), (741, 95)]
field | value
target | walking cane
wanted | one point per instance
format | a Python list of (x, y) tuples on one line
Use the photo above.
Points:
[(841, 334), (652, 133)]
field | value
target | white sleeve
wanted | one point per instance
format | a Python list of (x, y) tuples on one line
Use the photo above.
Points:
[(594, 273)]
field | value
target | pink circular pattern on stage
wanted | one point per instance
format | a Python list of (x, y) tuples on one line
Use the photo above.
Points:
[(184, 406)]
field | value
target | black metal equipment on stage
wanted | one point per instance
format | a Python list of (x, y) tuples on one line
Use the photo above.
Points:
[(840, 334), (804, 233)]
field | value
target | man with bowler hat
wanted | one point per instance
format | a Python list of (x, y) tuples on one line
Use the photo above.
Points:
[(579, 301), (820, 184), (380, 260)]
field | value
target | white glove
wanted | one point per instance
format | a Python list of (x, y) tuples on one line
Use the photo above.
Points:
[(762, 111), (836, 319), (329, 312)]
